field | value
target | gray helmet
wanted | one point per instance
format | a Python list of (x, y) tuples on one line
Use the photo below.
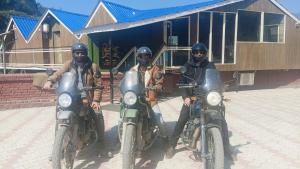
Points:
[(79, 47), (144, 50), (144, 55), (199, 47), (83, 49)]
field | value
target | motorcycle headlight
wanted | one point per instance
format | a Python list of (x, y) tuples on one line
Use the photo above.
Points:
[(130, 98), (213, 98), (64, 100)]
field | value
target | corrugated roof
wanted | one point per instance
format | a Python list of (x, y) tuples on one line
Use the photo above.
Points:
[(126, 14), (25, 25), (71, 20), (129, 17)]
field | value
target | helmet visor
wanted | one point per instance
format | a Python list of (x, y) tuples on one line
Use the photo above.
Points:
[(79, 56), (199, 52)]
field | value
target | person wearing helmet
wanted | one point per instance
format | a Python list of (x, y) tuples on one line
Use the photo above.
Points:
[(195, 68), (153, 80), (88, 75)]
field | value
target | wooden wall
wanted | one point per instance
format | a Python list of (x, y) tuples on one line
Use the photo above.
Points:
[(39, 41), (101, 17), (266, 56)]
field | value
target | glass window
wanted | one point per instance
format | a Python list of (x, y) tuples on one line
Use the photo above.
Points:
[(217, 36), (249, 26), (273, 27), (229, 38), (204, 27)]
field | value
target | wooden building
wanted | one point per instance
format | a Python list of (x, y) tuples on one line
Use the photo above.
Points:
[(260, 39), (44, 41)]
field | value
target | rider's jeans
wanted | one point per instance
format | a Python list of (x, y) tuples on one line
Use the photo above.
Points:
[(159, 120)]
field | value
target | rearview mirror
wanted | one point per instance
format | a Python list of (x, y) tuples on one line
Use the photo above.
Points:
[(114, 71), (49, 71), (182, 69)]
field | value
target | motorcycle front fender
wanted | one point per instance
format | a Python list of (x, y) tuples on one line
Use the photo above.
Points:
[(130, 113), (64, 115)]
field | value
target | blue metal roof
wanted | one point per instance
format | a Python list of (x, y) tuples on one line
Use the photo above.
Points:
[(71, 20), (126, 14), (25, 25)]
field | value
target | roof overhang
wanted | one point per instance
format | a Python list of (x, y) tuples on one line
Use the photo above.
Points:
[(121, 26), (286, 11)]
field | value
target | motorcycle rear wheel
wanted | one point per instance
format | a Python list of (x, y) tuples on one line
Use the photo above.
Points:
[(63, 153)]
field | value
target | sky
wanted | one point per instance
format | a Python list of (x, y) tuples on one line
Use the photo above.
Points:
[(87, 6)]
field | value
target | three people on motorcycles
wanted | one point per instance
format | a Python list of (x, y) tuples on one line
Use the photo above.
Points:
[(195, 69), (153, 80)]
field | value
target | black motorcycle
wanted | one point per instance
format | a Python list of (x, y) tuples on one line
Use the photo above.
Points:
[(76, 126), (137, 131), (206, 133)]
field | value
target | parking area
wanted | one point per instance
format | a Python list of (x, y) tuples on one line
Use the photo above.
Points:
[(264, 134)]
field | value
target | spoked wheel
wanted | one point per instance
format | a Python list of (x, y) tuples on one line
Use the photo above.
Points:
[(215, 149), (64, 151)]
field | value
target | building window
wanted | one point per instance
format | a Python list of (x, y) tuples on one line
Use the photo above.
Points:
[(249, 26), (273, 27), (229, 38)]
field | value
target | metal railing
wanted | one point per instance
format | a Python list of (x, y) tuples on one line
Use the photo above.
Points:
[(124, 60), (160, 58)]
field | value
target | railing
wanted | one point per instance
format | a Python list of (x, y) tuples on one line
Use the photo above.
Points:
[(33, 59), (124, 60), (166, 54)]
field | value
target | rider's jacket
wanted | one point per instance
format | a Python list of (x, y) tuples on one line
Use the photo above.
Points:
[(91, 76), (152, 77), (194, 71)]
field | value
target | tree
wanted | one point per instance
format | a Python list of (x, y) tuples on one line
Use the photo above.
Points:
[(18, 7)]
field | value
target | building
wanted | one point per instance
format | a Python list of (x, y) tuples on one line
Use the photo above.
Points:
[(35, 43), (260, 39)]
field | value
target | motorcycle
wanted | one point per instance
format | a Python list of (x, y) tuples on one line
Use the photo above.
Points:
[(137, 130), (206, 132), (76, 125)]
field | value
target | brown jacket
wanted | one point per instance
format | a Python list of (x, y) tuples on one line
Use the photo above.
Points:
[(153, 78), (92, 77)]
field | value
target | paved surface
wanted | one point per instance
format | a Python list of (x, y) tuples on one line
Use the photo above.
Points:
[(264, 127)]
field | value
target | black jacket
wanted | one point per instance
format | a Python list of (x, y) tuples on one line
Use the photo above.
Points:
[(194, 71)]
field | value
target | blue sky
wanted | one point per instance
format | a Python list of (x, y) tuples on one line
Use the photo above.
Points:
[(87, 6)]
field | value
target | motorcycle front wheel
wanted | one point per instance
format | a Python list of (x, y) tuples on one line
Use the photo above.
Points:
[(128, 153), (215, 149), (64, 151)]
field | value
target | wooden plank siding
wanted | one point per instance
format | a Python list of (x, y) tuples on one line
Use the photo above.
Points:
[(101, 17), (38, 41), (265, 56)]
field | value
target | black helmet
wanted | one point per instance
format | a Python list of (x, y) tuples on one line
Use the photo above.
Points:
[(144, 55), (199, 47), (79, 47)]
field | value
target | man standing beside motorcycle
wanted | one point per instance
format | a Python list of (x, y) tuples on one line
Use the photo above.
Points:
[(153, 80), (195, 68), (88, 75)]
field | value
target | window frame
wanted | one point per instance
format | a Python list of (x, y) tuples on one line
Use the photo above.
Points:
[(262, 27)]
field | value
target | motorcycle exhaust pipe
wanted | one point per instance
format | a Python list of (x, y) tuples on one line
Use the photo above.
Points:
[(195, 138)]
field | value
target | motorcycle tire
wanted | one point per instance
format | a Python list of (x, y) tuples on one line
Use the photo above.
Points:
[(215, 148), (99, 122), (128, 154), (59, 153)]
